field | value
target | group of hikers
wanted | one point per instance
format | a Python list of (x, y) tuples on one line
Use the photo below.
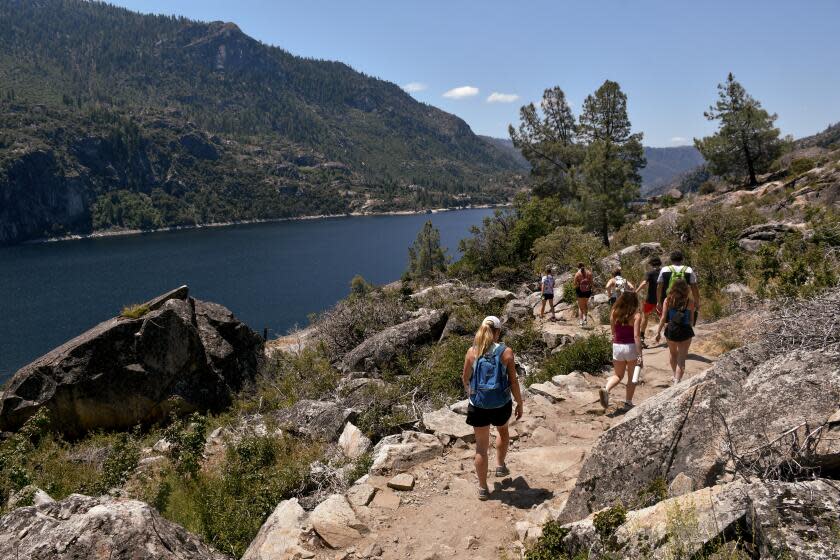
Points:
[(489, 374)]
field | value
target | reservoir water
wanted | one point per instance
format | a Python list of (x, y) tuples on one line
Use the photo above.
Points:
[(270, 275)]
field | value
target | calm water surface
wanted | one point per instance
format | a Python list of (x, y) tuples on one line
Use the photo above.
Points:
[(270, 275)]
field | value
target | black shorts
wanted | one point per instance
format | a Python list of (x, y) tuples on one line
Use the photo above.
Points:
[(548, 296), (481, 417), (581, 295), (678, 333), (612, 301)]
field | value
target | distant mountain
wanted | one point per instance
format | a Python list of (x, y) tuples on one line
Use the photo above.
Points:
[(828, 139), (110, 118), (664, 165), (506, 145)]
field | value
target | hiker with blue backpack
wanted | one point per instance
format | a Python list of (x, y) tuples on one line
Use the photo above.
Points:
[(669, 275), (489, 378), (677, 320)]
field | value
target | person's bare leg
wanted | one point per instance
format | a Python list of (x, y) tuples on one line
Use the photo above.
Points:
[(631, 387), (502, 444), (542, 308), (643, 326), (551, 304), (482, 442), (617, 376), (681, 357), (673, 353)]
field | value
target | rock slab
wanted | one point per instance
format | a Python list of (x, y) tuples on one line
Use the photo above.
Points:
[(353, 442), (102, 528), (279, 537), (336, 522), (402, 451), (183, 355), (447, 422)]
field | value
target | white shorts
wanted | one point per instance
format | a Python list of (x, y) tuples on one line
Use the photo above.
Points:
[(624, 352)]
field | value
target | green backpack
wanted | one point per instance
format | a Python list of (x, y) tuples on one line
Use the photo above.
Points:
[(675, 275)]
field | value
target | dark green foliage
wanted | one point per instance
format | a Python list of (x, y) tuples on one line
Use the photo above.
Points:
[(588, 354), (801, 165), (550, 545), (121, 461), (426, 258), (187, 438), (227, 507), (747, 140), (607, 521), (359, 287)]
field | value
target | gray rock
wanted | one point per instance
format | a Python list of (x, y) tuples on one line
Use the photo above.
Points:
[(320, 420), (574, 381), (184, 355), (28, 495), (461, 407), (796, 520), (599, 299), (753, 237), (361, 494), (736, 289), (457, 325), (748, 396), (402, 481), (549, 390), (353, 442), (102, 528), (491, 296), (402, 451), (280, 535), (516, 311), (447, 422), (336, 522), (382, 348), (681, 484)]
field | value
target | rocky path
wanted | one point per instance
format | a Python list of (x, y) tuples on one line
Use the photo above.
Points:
[(442, 518)]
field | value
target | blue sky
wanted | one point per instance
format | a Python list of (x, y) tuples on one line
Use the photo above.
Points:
[(668, 56)]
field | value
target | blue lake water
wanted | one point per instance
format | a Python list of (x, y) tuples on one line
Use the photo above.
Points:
[(270, 275)]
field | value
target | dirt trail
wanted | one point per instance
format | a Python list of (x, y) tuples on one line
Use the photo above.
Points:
[(442, 517)]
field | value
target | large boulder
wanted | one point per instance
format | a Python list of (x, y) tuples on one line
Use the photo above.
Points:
[(491, 296), (383, 348), (336, 523), (781, 519), (97, 529), (279, 537), (402, 451), (750, 398), (319, 420), (445, 422), (182, 355), (517, 311), (753, 237)]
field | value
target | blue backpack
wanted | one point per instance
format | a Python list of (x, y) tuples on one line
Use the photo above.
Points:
[(490, 386)]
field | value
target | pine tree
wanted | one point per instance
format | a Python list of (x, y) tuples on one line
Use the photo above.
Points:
[(426, 257), (549, 143), (747, 141), (609, 178)]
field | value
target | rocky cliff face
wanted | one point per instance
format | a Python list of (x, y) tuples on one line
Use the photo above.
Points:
[(182, 355)]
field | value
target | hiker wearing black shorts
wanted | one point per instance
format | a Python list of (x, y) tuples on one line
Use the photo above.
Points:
[(669, 275)]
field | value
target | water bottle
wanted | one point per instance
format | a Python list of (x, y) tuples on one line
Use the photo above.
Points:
[(637, 374)]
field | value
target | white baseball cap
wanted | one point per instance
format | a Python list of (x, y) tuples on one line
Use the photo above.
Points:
[(497, 324)]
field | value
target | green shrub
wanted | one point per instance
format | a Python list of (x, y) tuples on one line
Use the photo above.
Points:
[(801, 165), (707, 187), (437, 377), (187, 439), (361, 466), (550, 544), (565, 247), (134, 311), (227, 507), (121, 461), (608, 520), (526, 340), (289, 377), (360, 287), (569, 294), (385, 410), (588, 354), (655, 492)]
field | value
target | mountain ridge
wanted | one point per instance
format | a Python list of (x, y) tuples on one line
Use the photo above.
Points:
[(86, 82)]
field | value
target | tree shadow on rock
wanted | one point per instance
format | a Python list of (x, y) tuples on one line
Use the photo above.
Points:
[(519, 494)]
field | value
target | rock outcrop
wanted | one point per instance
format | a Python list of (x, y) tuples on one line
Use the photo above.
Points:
[(753, 237), (280, 536), (182, 355), (402, 451), (98, 529), (382, 348), (752, 404), (336, 522), (319, 420)]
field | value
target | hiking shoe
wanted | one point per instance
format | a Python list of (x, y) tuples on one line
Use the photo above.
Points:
[(502, 471), (604, 398), (483, 494), (627, 405)]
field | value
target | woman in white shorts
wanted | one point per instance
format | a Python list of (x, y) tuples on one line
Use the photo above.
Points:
[(625, 320)]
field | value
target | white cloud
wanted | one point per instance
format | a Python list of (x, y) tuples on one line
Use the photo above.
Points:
[(497, 97), (414, 87), (678, 140), (461, 92)]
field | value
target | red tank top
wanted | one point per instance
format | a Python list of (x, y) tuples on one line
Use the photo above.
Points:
[(624, 334)]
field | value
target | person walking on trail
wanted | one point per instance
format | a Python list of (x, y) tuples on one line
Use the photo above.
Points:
[(669, 275), (625, 321), (583, 291), (547, 291), (650, 284), (489, 378), (617, 285), (677, 320)]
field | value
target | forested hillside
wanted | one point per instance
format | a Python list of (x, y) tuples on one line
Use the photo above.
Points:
[(117, 105), (666, 164)]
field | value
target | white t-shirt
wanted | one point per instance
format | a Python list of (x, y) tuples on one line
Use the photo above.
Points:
[(548, 284), (690, 275)]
